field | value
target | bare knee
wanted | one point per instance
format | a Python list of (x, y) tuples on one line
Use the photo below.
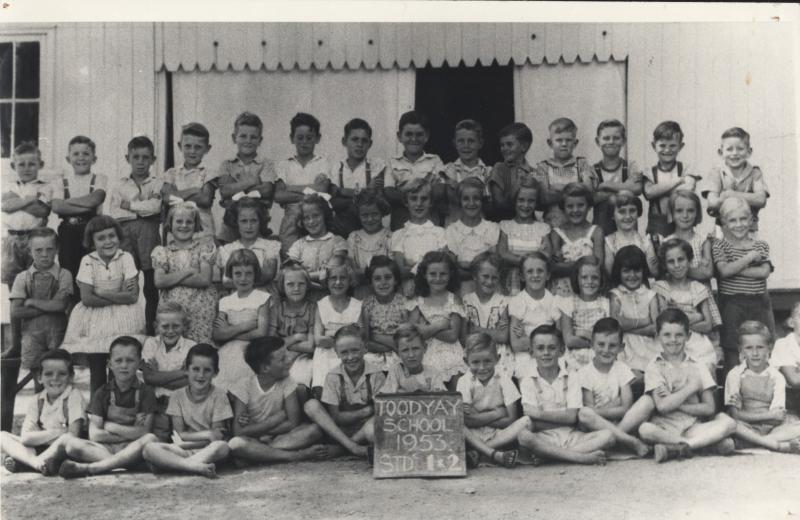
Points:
[(586, 415), (151, 449), (221, 449), (527, 438), (727, 420), (72, 446), (312, 406), (236, 444), (647, 431), (608, 438), (147, 438), (524, 422)]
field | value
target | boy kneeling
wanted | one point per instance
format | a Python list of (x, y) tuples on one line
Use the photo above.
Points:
[(551, 398), (683, 392), (120, 417), (267, 416)]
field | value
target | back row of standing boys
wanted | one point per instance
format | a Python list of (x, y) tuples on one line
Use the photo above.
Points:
[(450, 281)]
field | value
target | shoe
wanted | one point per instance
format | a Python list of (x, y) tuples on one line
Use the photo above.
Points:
[(665, 452), (10, 464), (70, 469), (723, 448), (473, 459)]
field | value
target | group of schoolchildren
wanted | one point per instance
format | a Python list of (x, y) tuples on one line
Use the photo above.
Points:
[(564, 336)]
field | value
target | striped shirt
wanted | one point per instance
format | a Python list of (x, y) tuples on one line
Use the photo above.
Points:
[(724, 251)]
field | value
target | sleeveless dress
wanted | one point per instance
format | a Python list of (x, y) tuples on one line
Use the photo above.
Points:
[(232, 367), (571, 251), (325, 358), (447, 358), (384, 318), (300, 321), (522, 239), (489, 315), (584, 315), (639, 350), (697, 242)]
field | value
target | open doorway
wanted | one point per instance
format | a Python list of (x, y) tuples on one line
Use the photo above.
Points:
[(449, 94)]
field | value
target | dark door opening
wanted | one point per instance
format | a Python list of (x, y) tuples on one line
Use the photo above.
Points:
[(449, 94)]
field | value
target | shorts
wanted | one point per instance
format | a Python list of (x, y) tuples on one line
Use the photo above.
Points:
[(115, 447), (563, 437), (162, 424), (485, 433), (764, 429), (40, 334), (677, 423)]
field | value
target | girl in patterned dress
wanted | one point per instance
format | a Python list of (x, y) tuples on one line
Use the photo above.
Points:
[(183, 271), (635, 306), (487, 309), (372, 239), (438, 313), (111, 301), (333, 312), (246, 314), (577, 238), (627, 210), (295, 323), (692, 297), (580, 312), (384, 310), (522, 235)]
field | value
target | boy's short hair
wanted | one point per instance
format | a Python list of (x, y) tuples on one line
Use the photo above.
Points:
[(612, 123), (261, 212), (562, 124), (674, 316), (629, 257), (736, 131), (668, 130), (479, 342), (141, 141), (58, 354), (731, 204), (291, 266), (357, 124), (240, 258), (27, 147), (576, 189), (372, 198), (259, 351), (82, 139), (674, 243), (172, 307), (248, 119), (486, 257), (190, 207), (755, 328), (626, 198), (348, 331), (574, 275), (471, 125), (519, 131), (407, 331), (470, 182), (196, 130), (607, 326), (97, 224), (43, 232), (688, 195), (126, 341), (413, 117), (547, 330), (379, 261), (203, 350), (304, 119)]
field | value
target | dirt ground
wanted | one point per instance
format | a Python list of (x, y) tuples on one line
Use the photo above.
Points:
[(756, 485)]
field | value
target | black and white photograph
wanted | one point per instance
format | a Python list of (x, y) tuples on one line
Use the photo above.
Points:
[(399, 259)]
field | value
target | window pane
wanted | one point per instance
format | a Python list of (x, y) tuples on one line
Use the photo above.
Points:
[(26, 122), (6, 75), (27, 70), (5, 129)]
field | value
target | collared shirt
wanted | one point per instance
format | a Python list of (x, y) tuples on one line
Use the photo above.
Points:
[(199, 416), (184, 179), (101, 399), (95, 272), (167, 360), (265, 250), (605, 387), (314, 253), (468, 242), (555, 175), (262, 404), (458, 171), (498, 391), (757, 391), (292, 173), (345, 177), (21, 220), (674, 377), (358, 393), (722, 179), (401, 170), (414, 240), (786, 352), (400, 380), (78, 185), (661, 177), (562, 394), (144, 198), (52, 416), (533, 313), (235, 170), (364, 246), (22, 287)]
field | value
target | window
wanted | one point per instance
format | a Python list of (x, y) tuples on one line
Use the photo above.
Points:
[(20, 93)]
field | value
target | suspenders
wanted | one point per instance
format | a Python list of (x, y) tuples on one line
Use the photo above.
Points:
[(64, 410), (66, 186), (598, 170), (656, 208), (345, 404), (539, 388), (366, 166)]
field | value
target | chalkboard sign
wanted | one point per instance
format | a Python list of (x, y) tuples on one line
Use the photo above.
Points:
[(419, 435)]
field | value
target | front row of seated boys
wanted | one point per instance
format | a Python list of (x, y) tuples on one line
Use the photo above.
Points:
[(567, 416)]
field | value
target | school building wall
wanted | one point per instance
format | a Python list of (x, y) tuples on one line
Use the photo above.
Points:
[(109, 81)]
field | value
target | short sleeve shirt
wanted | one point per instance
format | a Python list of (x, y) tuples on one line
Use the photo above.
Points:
[(22, 288), (400, 171), (291, 172), (198, 416), (786, 352), (674, 377), (21, 220), (457, 171), (101, 399), (264, 249), (750, 181), (662, 177), (533, 313), (52, 416), (314, 253), (757, 391), (399, 380), (94, 271), (414, 240), (498, 391), (167, 360), (262, 404), (555, 175), (605, 387), (468, 242), (234, 170), (79, 185), (724, 251), (358, 393), (562, 394)]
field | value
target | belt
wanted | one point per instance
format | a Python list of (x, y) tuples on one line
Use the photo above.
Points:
[(76, 220)]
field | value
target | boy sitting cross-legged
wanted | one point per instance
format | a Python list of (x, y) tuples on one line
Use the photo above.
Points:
[(120, 417), (267, 421), (551, 398), (606, 389), (683, 392), (755, 394)]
